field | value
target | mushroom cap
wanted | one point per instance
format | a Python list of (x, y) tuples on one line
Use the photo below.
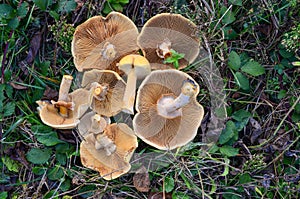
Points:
[(115, 32), (117, 164), (84, 127), (175, 28), (50, 116), (154, 129), (139, 63), (112, 104)]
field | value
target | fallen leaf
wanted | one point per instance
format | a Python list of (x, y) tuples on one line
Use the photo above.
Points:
[(50, 94), (159, 195), (17, 86), (141, 180), (256, 132)]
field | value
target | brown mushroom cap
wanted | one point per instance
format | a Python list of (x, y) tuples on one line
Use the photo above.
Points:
[(101, 42), (112, 101), (169, 31), (156, 130), (116, 164)]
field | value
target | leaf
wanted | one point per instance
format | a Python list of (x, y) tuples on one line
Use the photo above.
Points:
[(9, 109), (285, 53), (11, 165), (66, 6), (242, 81), (229, 32), (13, 23), (169, 184), (179, 195), (228, 132), (240, 115), (2, 87), (117, 7), (229, 151), (38, 156), (226, 167), (234, 61), (281, 94), (229, 17), (253, 68), (141, 180), (42, 4), (22, 10), (236, 2), (5, 11), (3, 195), (50, 139), (55, 173), (244, 178), (106, 9)]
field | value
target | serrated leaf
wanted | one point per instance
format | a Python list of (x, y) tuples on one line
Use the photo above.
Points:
[(38, 156), (234, 61), (9, 109), (228, 132), (11, 165), (5, 11), (229, 151), (236, 2), (242, 81), (253, 68), (169, 184)]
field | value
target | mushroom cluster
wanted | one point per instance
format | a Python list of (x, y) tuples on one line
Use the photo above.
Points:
[(167, 114)]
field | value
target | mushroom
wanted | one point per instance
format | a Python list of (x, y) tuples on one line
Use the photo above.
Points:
[(101, 42), (109, 152), (135, 67), (166, 32), (168, 112), (65, 113), (92, 123), (108, 90)]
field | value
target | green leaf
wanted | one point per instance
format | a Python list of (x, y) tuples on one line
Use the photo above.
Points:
[(229, 32), (5, 11), (66, 6), (242, 81), (245, 178), (50, 139), (226, 167), (240, 115), (236, 2), (13, 23), (11, 165), (106, 9), (179, 195), (229, 17), (38, 156), (234, 61), (281, 94), (117, 7), (229, 151), (124, 1), (42, 4), (55, 173), (169, 184), (253, 68), (9, 91), (3, 195), (9, 109), (65, 186), (285, 53), (228, 132), (22, 10)]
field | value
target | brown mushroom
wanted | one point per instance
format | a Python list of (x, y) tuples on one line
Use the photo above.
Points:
[(109, 153), (135, 67), (165, 32), (92, 123), (65, 113), (108, 91), (101, 42), (168, 112)]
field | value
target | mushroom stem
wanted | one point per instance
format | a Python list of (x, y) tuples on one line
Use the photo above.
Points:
[(103, 142), (64, 89), (169, 107), (98, 124), (129, 95), (100, 91), (163, 49)]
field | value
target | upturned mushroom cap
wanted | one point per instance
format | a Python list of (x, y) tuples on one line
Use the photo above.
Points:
[(156, 130), (109, 102), (117, 163), (50, 115), (101, 42), (168, 31), (92, 123)]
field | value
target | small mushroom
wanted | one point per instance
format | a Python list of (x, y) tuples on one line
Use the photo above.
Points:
[(101, 42), (92, 123), (165, 32), (109, 152), (135, 67), (108, 91), (65, 113), (168, 112)]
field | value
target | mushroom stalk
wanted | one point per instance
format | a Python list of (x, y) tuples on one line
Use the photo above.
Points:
[(163, 49), (63, 96), (98, 124), (129, 95), (100, 91), (103, 142)]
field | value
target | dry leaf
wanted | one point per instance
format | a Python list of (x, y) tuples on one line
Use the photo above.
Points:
[(141, 180)]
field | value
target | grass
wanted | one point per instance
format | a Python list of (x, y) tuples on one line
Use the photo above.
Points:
[(251, 46)]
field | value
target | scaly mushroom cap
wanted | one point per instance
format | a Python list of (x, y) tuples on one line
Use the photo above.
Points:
[(101, 42), (116, 164), (111, 102), (156, 130), (169, 31), (49, 113)]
